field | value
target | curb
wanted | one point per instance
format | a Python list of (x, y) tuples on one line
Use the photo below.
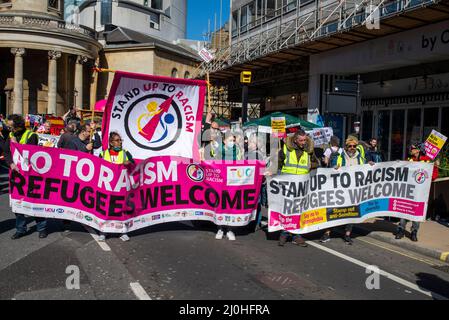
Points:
[(432, 253)]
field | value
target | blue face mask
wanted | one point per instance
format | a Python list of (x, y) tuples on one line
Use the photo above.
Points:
[(230, 144), (117, 149)]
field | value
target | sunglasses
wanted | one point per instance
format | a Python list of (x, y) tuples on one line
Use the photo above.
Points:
[(351, 146)]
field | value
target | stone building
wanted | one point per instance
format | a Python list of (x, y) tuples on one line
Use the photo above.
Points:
[(45, 62)]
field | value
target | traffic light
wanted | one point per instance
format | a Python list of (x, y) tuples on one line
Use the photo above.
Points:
[(245, 77)]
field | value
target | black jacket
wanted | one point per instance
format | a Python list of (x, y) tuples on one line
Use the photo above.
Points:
[(33, 140), (78, 145)]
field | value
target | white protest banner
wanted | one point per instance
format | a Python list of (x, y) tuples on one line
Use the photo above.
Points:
[(434, 144), (156, 116), (47, 140), (329, 197)]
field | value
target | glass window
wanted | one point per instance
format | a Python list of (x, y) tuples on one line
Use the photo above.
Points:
[(367, 125), (289, 5), (413, 127), (430, 121), (383, 132), (54, 4), (106, 12), (244, 17), (271, 7), (397, 135), (235, 18), (156, 4), (251, 14), (445, 121)]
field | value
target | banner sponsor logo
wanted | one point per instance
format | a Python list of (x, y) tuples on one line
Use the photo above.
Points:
[(240, 176), (421, 176), (195, 173)]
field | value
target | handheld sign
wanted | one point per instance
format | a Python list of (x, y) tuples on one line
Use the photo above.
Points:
[(434, 144)]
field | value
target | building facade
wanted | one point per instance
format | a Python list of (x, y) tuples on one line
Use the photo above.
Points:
[(46, 62), (163, 19), (380, 63)]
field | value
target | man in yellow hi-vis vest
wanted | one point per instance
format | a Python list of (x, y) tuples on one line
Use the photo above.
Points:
[(297, 157), (116, 154), (19, 134)]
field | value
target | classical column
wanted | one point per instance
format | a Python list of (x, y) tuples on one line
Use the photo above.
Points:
[(18, 80), (79, 76), (53, 56)]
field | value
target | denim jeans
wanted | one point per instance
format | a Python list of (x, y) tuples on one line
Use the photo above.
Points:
[(21, 223), (403, 224), (287, 234)]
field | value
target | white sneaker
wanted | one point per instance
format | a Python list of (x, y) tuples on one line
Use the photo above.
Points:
[(102, 238), (230, 235), (124, 237), (219, 235)]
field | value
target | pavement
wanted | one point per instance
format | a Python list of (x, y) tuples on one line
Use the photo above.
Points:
[(433, 236), (183, 261)]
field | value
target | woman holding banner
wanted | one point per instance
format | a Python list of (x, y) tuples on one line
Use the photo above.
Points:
[(117, 155), (417, 153), (229, 151)]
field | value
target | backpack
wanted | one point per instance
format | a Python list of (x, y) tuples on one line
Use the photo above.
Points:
[(333, 157)]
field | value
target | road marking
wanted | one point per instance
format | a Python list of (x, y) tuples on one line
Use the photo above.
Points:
[(384, 273), (429, 262), (444, 256), (139, 291), (103, 245)]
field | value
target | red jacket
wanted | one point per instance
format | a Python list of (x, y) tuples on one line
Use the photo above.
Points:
[(424, 158)]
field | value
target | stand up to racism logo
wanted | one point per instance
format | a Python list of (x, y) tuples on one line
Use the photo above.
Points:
[(155, 116)]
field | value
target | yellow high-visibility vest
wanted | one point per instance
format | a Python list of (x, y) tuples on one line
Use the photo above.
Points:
[(121, 158), (25, 137), (292, 165)]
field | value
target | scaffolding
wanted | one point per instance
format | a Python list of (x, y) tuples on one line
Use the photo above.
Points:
[(305, 24)]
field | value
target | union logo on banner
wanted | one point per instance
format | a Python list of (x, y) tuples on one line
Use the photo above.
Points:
[(156, 116)]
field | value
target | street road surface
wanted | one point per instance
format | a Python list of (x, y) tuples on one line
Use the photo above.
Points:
[(179, 261)]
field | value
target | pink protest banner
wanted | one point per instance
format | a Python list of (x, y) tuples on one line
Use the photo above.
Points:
[(69, 185), (155, 116)]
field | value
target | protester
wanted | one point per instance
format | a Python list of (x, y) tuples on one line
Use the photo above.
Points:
[(72, 114), (417, 154), (256, 151), (96, 138), (332, 153), (116, 154), (82, 141), (2, 141), (45, 128), (373, 154), (211, 142), (230, 151), (297, 157), (21, 135), (68, 136), (350, 156)]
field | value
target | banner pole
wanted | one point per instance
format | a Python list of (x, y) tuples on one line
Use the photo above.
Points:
[(209, 106)]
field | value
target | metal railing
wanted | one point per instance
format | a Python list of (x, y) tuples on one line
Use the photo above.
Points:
[(310, 23)]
